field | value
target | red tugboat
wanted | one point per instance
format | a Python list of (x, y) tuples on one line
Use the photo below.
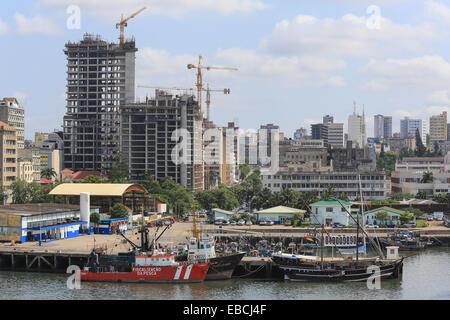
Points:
[(145, 264)]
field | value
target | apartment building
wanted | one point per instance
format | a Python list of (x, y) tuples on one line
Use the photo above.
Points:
[(408, 127), (13, 114), (8, 156), (438, 127)]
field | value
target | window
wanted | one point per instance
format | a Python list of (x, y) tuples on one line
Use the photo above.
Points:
[(329, 209)]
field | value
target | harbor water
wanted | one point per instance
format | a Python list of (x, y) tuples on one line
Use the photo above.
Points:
[(426, 275)]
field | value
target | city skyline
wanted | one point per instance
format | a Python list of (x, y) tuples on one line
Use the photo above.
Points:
[(339, 56)]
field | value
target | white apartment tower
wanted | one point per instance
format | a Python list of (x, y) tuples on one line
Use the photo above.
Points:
[(357, 128)]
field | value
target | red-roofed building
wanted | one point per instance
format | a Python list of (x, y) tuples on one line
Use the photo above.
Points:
[(68, 175), (45, 181)]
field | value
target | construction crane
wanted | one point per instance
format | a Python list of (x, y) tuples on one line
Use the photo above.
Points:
[(208, 95), (124, 23), (199, 68)]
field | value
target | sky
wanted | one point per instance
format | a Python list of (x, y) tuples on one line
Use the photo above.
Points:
[(298, 60)]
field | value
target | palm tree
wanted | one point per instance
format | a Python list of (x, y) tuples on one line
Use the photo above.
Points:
[(427, 177), (48, 173)]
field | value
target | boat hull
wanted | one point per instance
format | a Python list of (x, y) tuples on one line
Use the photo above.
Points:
[(152, 274), (222, 267)]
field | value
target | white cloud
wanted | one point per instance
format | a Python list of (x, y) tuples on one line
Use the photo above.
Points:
[(113, 9), (3, 27), (439, 97), (438, 11), (348, 36), (420, 72), (36, 25), (291, 71)]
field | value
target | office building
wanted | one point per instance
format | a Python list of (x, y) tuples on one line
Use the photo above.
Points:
[(8, 157), (382, 126), (408, 127), (100, 79)]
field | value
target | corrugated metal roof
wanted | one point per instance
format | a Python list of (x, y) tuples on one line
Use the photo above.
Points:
[(223, 211), (331, 202), (281, 209), (95, 189)]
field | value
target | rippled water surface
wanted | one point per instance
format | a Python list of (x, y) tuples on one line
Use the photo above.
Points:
[(426, 275)]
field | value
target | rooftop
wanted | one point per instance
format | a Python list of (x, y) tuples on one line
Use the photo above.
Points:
[(96, 189), (330, 202), (281, 209), (37, 208)]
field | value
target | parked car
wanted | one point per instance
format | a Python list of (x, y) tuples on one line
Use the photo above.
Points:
[(390, 226), (372, 226), (410, 225), (430, 218), (248, 223), (233, 223), (241, 222), (218, 222), (262, 223), (338, 225), (270, 223)]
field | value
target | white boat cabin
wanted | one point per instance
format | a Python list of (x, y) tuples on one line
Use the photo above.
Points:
[(159, 259), (201, 250)]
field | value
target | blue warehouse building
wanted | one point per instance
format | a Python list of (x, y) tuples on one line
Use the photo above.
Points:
[(41, 222)]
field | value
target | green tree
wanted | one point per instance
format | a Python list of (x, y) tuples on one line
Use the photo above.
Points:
[(401, 196), (3, 194), (427, 177), (48, 173), (94, 218), (382, 216), (406, 217), (421, 194), (118, 172), (151, 184), (176, 196), (118, 211), (19, 192), (420, 148)]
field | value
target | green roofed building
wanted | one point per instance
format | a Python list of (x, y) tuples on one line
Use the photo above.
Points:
[(278, 215), (329, 212), (375, 216)]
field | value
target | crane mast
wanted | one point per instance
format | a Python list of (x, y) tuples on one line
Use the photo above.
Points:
[(124, 23)]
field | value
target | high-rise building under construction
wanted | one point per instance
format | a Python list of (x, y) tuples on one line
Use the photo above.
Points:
[(163, 137), (100, 78)]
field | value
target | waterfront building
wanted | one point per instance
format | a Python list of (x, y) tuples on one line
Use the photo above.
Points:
[(100, 79), (13, 114), (374, 184), (148, 140), (222, 215), (370, 217), (438, 127), (105, 195), (328, 212), (279, 214), (42, 221)]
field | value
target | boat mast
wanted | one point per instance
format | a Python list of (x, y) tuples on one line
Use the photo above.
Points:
[(380, 252), (195, 232)]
